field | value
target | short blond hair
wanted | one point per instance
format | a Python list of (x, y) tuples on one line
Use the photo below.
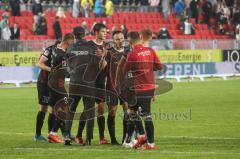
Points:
[(146, 34)]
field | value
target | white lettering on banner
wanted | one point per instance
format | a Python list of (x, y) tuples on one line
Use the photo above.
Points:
[(187, 69), (237, 67), (197, 69), (231, 55), (178, 69), (169, 69)]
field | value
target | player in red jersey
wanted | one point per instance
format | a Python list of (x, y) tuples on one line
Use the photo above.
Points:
[(140, 66)]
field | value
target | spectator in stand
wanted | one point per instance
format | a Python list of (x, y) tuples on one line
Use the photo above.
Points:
[(6, 33), (76, 8), (15, 7), (187, 7), (4, 22), (194, 10), (221, 17), (109, 9), (37, 7), (85, 27), (15, 32), (116, 2), (188, 28), (36, 10), (60, 13), (163, 34), (57, 29), (229, 3), (207, 11), (238, 35), (226, 11), (124, 30), (154, 4), (41, 27), (179, 8), (99, 8), (144, 6), (87, 6), (15, 35), (236, 16), (165, 4), (222, 30)]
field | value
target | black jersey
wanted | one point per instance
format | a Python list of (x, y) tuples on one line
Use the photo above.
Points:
[(113, 58), (58, 57), (58, 61), (83, 63), (100, 81), (43, 75)]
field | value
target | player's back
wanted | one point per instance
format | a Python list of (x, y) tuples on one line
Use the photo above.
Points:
[(142, 62), (83, 64)]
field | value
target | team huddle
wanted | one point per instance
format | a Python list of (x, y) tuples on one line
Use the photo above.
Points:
[(100, 74)]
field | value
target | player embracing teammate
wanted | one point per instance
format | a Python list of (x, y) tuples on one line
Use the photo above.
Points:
[(136, 63)]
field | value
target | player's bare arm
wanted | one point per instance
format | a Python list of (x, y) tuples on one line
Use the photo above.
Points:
[(42, 64)]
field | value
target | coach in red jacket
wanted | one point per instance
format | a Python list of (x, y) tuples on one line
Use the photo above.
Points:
[(139, 67)]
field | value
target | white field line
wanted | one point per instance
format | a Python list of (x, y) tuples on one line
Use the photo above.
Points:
[(173, 137), (124, 150)]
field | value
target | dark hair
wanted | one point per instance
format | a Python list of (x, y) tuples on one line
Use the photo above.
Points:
[(116, 32), (98, 26), (68, 36), (134, 36)]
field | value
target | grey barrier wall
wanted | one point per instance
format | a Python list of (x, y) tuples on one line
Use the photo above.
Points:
[(173, 44)]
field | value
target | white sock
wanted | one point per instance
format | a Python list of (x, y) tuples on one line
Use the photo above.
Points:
[(151, 144)]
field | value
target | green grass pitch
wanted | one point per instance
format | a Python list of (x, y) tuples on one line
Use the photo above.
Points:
[(193, 120)]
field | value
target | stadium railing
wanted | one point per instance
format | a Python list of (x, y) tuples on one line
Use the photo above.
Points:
[(174, 44), (117, 8)]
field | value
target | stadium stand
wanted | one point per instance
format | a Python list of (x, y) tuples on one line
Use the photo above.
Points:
[(153, 18), (133, 21)]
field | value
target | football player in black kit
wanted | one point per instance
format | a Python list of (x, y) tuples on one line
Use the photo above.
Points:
[(44, 64), (85, 63), (97, 46), (114, 55), (56, 82)]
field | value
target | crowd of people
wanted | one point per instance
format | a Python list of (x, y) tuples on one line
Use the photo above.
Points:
[(10, 34), (220, 15)]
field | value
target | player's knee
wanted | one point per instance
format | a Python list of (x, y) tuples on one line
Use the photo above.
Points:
[(100, 109), (125, 106), (112, 111), (147, 118), (133, 115), (44, 108)]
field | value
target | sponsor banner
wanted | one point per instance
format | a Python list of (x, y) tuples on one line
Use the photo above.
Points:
[(19, 58), (182, 69), (189, 56), (19, 73), (231, 55)]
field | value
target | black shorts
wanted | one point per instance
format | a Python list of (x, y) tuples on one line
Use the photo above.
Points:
[(100, 93), (143, 106), (43, 94), (113, 98), (142, 103), (56, 97)]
